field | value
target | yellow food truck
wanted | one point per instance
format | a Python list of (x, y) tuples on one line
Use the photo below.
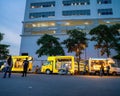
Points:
[(60, 65), (18, 63)]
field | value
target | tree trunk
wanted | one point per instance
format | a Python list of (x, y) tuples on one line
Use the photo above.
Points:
[(79, 64)]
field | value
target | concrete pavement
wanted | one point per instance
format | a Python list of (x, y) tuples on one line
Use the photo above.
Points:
[(59, 85)]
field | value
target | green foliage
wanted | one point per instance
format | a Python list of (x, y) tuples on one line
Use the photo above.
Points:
[(49, 45), (1, 36), (106, 38), (115, 30), (3, 49), (117, 57), (76, 42)]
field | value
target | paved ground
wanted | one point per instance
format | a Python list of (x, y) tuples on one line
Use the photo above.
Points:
[(59, 85)]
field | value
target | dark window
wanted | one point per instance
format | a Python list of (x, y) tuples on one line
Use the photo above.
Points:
[(104, 1), (24, 54), (42, 4), (105, 11), (75, 2), (42, 15), (75, 12)]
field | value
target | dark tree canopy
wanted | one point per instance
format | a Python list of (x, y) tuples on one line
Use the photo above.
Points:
[(3, 48), (49, 45), (1, 36), (105, 38), (3, 51), (76, 42)]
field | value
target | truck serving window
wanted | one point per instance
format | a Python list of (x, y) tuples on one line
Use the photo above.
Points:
[(46, 63), (113, 65)]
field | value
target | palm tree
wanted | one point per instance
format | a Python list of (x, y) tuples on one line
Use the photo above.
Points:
[(49, 45), (76, 42), (104, 39)]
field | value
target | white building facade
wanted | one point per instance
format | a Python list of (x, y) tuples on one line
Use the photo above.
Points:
[(55, 17)]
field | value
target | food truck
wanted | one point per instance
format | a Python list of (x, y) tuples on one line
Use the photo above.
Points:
[(18, 63), (60, 65), (94, 65)]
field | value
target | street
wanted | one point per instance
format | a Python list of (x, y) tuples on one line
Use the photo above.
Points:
[(59, 85)]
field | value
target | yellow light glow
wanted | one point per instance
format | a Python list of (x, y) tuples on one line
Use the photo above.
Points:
[(43, 24), (67, 23), (34, 25), (86, 23), (53, 24)]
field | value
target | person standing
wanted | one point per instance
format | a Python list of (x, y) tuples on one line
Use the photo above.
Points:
[(25, 67), (108, 69), (102, 70), (8, 66), (36, 69)]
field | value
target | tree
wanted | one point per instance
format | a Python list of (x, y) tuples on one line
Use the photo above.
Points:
[(115, 29), (3, 49), (49, 45), (1, 36), (104, 38), (76, 42)]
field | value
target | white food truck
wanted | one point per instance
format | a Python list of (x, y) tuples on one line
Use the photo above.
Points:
[(94, 65)]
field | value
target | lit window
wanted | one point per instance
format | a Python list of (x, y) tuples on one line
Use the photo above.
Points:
[(44, 32), (75, 2), (85, 3), (99, 2), (33, 7), (43, 4), (42, 15), (39, 24), (99, 14), (34, 25), (104, 1)]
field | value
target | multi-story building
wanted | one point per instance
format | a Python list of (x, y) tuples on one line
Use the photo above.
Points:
[(55, 17)]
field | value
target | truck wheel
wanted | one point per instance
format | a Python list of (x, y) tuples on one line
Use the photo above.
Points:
[(29, 69), (60, 72), (114, 73), (68, 73), (48, 71)]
